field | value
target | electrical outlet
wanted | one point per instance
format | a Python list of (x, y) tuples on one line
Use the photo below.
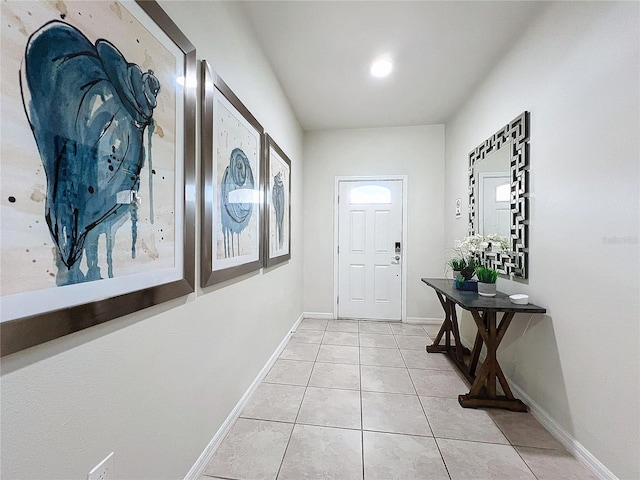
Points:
[(104, 470)]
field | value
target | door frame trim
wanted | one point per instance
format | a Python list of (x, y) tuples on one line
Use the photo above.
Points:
[(405, 183)]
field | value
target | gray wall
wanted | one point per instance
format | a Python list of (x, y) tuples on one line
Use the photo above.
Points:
[(576, 71), (156, 385), (414, 151)]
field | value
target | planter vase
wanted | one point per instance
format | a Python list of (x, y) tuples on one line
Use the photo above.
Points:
[(487, 289), (457, 274), (467, 285)]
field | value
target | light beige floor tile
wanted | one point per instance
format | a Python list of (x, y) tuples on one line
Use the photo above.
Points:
[(382, 357), (374, 327), (252, 449), (386, 379), (341, 338), (313, 324), (554, 464), (338, 354), (475, 460), (438, 383), (522, 429), (386, 412), (307, 336), (342, 326), (403, 457), (407, 329), (423, 360), (432, 329), (413, 342), (290, 372), (276, 402), (377, 340), (331, 408), (335, 375), (449, 420), (300, 351), (322, 452)]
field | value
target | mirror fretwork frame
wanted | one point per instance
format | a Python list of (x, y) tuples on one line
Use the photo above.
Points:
[(514, 135)]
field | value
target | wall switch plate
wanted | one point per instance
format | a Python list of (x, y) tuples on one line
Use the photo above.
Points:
[(458, 207), (104, 470)]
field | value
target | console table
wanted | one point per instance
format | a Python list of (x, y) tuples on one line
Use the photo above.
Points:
[(485, 312)]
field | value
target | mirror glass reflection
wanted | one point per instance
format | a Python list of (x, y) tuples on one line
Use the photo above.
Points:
[(492, 190)]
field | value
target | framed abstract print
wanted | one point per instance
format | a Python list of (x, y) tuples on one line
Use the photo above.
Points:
[(98, 165), (277, 191), (232, 204)]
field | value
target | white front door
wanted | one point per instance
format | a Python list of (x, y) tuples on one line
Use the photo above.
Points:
[(370, 250)]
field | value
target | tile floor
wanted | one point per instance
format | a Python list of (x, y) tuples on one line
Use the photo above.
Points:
[(353, 400)]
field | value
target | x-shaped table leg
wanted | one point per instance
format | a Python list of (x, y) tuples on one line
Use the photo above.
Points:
[(450, 326), (483, 390)]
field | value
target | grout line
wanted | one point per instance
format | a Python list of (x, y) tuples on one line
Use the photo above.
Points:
[(442, 457), (420, 435), (362, 449), (285, 451), (362, 429), (306, 387), (361, 406), (525, 462)]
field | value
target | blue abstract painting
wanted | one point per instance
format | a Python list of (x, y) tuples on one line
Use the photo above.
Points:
[(236, 214), (278, 203), (236, 205), (89, 110)]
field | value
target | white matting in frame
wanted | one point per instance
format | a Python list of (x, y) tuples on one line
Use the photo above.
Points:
[(232, 203), (237, 152), (128, 151), (277, 205)]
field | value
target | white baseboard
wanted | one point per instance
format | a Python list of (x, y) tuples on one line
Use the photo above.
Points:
[(571, 444), (565, 438), (556, 430), (318, 315), (329, 316), (425, 320), (205, 457)]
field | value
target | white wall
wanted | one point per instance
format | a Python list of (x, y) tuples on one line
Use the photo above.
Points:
[(576, 71), (414, 151), (155, 386)]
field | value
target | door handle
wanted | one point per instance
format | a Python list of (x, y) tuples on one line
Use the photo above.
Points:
[(395, 260)]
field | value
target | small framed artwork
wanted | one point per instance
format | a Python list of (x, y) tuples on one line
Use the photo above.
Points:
[(231, 184), (277, 190), (98, 165)]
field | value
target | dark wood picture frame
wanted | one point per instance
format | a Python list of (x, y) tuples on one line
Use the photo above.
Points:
[(21, 333), (215, 89), (271, 233)]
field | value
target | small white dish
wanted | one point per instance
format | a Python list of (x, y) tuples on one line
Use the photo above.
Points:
[(519, 298)]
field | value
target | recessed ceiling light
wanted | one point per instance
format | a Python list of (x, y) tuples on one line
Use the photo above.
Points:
[(381, 67)]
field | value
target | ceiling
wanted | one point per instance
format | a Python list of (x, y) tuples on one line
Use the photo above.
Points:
[(442, 50)]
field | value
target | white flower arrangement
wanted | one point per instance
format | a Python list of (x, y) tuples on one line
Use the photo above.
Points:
[(499, 241), (473, 246), (470, 254)]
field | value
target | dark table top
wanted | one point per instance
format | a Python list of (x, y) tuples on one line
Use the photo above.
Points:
[(474, 301)]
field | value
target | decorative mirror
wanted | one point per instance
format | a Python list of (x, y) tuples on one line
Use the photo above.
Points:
[(499, 195)]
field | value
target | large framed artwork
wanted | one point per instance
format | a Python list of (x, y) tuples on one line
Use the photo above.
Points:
[(98, 165), (231, 184), (277, 191)]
